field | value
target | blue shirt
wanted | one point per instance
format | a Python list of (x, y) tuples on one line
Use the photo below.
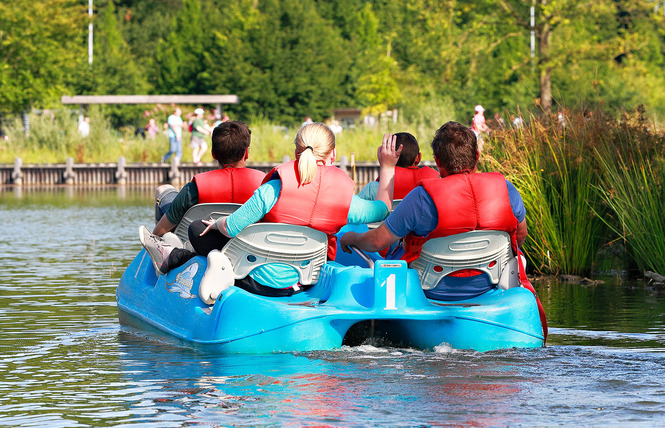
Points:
[(417, 212), (264, 198)]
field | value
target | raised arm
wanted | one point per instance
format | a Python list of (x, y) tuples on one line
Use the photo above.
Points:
[(388, 155)]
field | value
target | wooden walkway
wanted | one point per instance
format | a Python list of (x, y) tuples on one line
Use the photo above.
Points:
[(151, 174)]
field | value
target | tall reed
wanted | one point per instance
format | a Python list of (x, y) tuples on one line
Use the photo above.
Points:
[(633, 187), (550, 166)]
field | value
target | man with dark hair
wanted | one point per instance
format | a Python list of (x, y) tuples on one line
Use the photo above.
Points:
[(231, 182), (460, 201), (407, 171)]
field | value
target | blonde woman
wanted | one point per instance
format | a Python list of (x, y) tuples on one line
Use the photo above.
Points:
[(308, 191)]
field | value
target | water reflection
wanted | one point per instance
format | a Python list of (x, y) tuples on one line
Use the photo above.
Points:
[(349, 386), (617, 305), (15, 196)]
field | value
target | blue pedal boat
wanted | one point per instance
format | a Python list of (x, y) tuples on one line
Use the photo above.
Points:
[(355, 290)]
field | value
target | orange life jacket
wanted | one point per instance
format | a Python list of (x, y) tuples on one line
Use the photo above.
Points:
[(465, 202)]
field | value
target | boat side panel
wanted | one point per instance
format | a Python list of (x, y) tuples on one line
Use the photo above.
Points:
[(499, 319)]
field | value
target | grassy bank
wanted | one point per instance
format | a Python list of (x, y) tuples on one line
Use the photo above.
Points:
[(53, 139)]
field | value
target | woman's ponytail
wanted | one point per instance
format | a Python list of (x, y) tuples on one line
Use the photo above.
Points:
[(314, 142), (307, 165)]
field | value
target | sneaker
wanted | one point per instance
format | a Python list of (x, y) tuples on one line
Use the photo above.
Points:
[(158, 250)]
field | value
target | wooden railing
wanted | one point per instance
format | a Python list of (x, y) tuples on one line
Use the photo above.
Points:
[(121, 173)]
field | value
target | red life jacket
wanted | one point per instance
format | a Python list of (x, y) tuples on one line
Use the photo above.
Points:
[(465, 202), (406, 179), (322, 204), (234, 185)]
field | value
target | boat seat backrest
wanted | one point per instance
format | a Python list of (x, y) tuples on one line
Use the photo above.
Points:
[(488, 251), (303, 248), (203, 212)]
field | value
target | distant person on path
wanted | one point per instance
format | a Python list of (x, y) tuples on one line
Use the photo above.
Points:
[(500, 123), (308, 121), (151, 129), (231, 182), (335, 127), (518, 122), (200, 131), (479, 126), (84, 127), (223, 119), (174, 125)]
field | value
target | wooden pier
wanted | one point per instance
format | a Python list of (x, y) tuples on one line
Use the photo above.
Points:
[(121, 173)]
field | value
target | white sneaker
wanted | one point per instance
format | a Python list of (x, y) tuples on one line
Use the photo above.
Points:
[(158, 250)]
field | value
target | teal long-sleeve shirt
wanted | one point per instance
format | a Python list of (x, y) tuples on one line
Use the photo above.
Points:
[(264, 198)]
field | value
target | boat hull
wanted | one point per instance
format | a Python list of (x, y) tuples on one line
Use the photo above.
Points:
[(319, 318)]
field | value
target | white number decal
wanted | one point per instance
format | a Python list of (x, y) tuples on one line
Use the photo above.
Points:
[(390, 292)]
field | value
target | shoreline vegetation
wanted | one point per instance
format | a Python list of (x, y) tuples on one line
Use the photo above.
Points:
[(592, 183), (593, 188)]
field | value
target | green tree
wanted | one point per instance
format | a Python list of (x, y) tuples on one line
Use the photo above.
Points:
[(374, 69), (144, 24), (280, 57), (179, 60), (113, 70), (41, 45), (568, 33)]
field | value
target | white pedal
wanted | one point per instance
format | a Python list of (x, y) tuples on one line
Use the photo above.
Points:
[(217, 277)]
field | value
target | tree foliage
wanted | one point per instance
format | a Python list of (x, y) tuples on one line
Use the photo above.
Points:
[(286, 58), (41, 45), (113, 69)]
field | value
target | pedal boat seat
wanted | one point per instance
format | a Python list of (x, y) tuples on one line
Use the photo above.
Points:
[(487, 251)]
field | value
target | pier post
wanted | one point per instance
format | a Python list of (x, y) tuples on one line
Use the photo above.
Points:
[(353, 166), (69, 176), (121, 175), (17, 174), (174, 173), (344, 163)]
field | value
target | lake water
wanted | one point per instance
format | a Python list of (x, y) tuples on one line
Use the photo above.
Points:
[(65, 361)]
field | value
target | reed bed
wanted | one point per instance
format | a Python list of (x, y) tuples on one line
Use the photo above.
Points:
[(588, 183), (633, 188)]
